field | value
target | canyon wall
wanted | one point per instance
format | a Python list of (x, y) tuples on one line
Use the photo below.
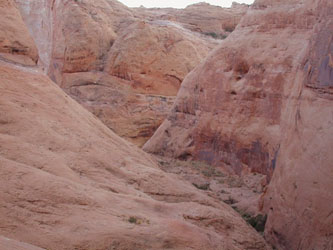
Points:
[(14, 36), (299, 199), (262, 102), (81, 43), (68, 182), (201, 17)]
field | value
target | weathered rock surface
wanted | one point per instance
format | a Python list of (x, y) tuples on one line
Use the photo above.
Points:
[(157, 56), (84, 32), (300, 196), (68, 182), (88, 37), (16, 43), (9, 244), (114, 101), (263, 101), (201, 17)]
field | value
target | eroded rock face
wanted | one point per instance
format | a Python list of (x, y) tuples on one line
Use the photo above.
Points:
[(228, 109), (9, 244), (302, 182), (203, 18), (16, 43), (149, 59), (114, 101), (69, 182), (156, 56), (84, 34), (263, 101)]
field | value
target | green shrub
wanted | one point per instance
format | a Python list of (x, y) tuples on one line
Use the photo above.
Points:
[(215, 35), (229, 29), (132, 220), (202, 186)]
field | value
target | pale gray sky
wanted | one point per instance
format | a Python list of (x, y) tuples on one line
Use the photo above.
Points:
[(179, 3)]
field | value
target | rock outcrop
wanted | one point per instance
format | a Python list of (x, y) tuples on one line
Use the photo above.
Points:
[(157, 56), (88, 37), (299, 198), (16, 43), (68, 182), (202, 17), (9, 244), (262, 102)]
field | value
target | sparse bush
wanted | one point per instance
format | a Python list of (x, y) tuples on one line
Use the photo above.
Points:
[(215, 35), (257, 222), (132, 220), (202, 186), (229, 29), (230, 201), (212, 34), (138, 220)]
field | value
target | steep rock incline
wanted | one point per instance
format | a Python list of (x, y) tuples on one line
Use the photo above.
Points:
[(228, 109), (300, 196), (263, 101), (204, 18), (68, 182), (73, 35), (84, 32), (91, 37), (16, 43)]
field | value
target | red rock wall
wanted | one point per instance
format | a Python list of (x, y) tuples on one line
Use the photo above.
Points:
[(299, 200), (16, 44), (261, 102)]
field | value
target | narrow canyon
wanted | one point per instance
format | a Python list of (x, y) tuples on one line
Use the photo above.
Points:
[(203, 128)]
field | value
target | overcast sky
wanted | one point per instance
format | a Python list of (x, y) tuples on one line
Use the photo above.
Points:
[(179, 3)]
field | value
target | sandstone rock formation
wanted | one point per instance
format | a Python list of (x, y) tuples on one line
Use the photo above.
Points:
[(9, 244), (156, 56), (263, 101), (68, 182), (132, 115), (14, 36), (302, 182), (202, 17), (77, 37)]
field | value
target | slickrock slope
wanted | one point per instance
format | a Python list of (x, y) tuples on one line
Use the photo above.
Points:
[(201, 17), (14, 36), (68, 182), (86, 37), (263, 101), (8, 244)]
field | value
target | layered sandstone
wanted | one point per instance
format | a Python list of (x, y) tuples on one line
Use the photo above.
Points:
[(132, 115), (69, 182), (9, 244), (149, 59), (16, 43), (202, 17), (156, 56), (299, 198), (263, 101)]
